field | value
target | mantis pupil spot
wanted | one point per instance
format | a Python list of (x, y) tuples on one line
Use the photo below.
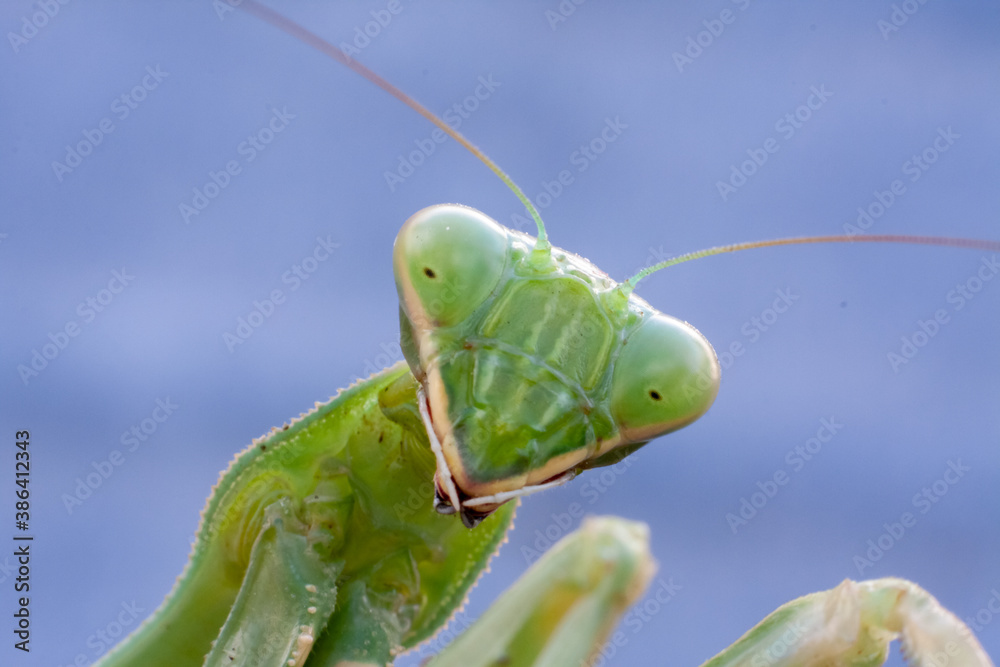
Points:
[(429, 272), (655, 395)]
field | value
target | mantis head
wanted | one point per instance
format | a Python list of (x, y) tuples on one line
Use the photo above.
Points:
[(533, 364)]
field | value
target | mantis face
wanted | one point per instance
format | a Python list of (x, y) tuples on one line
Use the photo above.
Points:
[(533, 365)]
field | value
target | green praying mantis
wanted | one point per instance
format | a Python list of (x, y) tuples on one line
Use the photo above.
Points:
[(262, 533)]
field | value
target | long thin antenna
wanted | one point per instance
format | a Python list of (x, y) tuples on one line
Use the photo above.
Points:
[(994, 246), (312, 39)]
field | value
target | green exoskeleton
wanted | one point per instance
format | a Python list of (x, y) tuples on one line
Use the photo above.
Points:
[(533, 364), (525, 366), (303, 550)]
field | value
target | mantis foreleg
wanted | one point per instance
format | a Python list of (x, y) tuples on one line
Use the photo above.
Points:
[(852, 626), (560, 612), (288, 594)]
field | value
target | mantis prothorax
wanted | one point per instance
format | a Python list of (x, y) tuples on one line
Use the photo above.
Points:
[(526, 366)]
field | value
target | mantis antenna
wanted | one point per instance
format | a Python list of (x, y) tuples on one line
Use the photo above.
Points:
[(630, 284), (312, 39)]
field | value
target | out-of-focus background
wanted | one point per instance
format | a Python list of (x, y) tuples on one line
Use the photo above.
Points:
[(119, 222)]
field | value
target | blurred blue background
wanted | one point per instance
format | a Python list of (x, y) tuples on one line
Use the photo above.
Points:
[(206, 84)]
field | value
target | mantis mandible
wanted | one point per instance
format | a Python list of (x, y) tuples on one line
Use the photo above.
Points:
[(624, 270)]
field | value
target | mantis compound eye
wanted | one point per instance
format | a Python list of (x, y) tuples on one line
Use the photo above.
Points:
[(666, 377), (447, 260)]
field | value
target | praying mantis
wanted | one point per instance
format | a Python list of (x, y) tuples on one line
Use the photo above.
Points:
[(738, 220)]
